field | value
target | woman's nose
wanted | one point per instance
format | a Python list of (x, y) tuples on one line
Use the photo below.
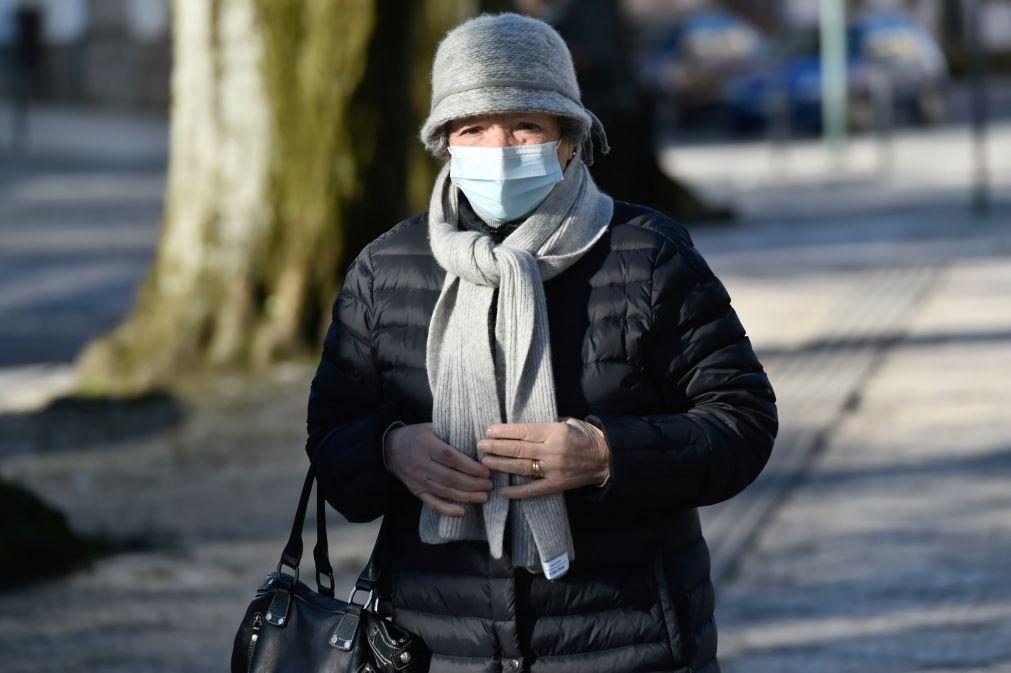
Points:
[(497, 136)]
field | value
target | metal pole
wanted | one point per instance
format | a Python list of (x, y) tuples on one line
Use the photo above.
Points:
[(832, 27), (883, 100), (980, 188)]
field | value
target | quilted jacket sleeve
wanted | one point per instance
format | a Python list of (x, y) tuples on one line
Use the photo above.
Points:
[(347, 411), (719, 432)]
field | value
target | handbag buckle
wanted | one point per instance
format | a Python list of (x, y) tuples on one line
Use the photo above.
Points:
[(327, 590), (368, 601), (294, 566)]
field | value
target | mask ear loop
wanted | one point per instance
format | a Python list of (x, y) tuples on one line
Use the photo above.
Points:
[(451, 197)]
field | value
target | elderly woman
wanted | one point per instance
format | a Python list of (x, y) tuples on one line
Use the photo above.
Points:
[(539, 385)]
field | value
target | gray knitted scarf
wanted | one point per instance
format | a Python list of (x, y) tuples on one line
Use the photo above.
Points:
[(470, 387)]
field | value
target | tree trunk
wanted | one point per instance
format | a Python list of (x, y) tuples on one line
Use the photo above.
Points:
[(293, 144), (291, 147), (598, 38)]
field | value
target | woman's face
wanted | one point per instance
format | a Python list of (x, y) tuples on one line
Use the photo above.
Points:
[(510, 128)]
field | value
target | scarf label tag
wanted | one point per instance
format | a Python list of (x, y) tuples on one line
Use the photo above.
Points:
[(556, 567)]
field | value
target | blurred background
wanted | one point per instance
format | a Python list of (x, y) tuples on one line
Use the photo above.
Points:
[(182, 186)]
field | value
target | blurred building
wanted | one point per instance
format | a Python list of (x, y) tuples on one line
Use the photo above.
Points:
[(118, 52), (111, 52), (945, 19)]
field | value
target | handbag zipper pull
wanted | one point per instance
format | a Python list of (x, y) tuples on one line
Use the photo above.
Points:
[(257, 623)]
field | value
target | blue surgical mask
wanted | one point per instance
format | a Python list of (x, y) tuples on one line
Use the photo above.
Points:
[(505, 183)]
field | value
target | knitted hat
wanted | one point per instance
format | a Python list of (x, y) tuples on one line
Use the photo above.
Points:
[(504, 62)]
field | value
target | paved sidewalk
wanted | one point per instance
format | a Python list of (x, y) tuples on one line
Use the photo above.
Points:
[(212, 501), (815, 381), (920, 168), (892, 555), (887, 333), (80, 214)]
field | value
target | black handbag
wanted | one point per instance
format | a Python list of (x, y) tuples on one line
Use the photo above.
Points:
[(289, 628)]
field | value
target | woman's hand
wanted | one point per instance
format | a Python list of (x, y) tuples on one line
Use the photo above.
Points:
[(435, 471), (573, 453)]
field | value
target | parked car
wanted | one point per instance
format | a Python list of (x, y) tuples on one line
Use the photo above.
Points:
[(888, 55), (686, 70)]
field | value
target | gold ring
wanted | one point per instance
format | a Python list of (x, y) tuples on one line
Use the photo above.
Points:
[(535, 467)]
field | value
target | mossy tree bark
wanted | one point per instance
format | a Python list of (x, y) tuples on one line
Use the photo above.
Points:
[(292, 145)]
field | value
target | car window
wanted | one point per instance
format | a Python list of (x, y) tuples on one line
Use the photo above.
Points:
[(718, 43), (891, 43)]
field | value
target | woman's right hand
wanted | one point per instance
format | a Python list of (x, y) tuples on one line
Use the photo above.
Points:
[(436, 472)]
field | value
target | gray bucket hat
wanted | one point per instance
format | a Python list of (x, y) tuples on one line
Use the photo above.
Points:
[(505, 62)]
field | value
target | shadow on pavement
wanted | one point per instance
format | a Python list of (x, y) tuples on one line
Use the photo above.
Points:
[(74, 423), (896, 339)]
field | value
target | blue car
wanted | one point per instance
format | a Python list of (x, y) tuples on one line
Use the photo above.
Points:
[(889, 55), (685, 71)]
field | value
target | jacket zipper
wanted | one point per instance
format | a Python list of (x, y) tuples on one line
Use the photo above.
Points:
[(257, 623)]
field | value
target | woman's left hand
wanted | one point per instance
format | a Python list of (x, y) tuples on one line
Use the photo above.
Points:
[(572, 453)]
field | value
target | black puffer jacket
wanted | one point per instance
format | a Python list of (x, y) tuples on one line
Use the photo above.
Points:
[(645, 344)]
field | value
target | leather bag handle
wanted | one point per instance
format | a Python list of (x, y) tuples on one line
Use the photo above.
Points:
[(292, 554)]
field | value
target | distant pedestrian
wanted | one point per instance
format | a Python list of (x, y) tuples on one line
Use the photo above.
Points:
[(591, 340)]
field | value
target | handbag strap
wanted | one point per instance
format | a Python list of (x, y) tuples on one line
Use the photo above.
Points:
[(292, 554)]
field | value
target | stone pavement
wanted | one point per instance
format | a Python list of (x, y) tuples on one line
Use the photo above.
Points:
[(815, 382), (80, 213), (892, 554), (886, 331), (919, 168), (208, 504), (891, 551)]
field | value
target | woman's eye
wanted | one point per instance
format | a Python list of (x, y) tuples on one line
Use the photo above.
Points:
[(468, 130), (530, 125)]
